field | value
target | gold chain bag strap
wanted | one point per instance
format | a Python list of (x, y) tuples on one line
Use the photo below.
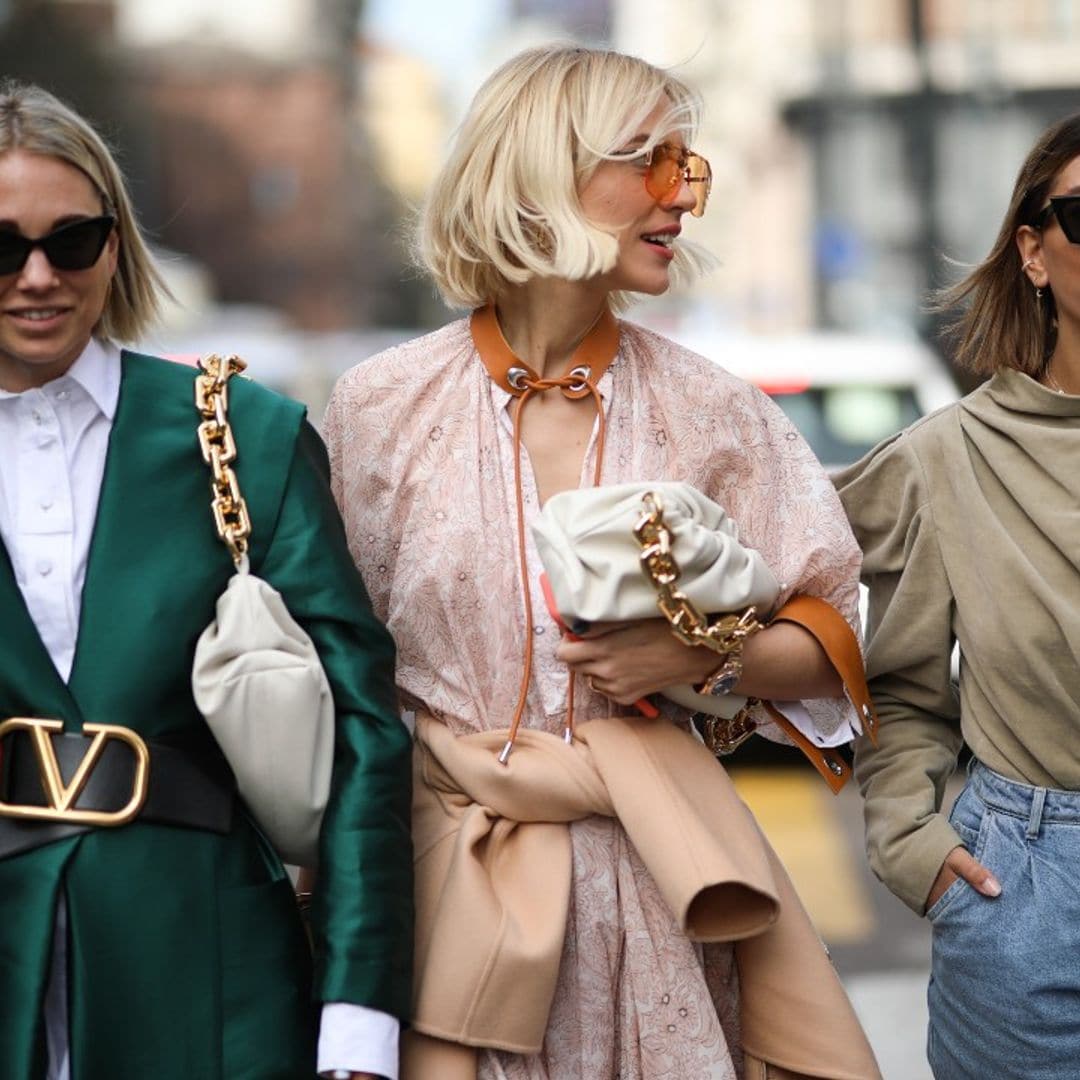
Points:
[(725, 636), (256, 677)]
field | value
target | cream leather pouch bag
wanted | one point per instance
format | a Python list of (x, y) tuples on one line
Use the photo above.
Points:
[(586, 542), (256, 677), (258, 681)]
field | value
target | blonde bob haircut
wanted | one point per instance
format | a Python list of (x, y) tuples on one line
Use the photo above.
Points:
[(34, 121), (505, 206)]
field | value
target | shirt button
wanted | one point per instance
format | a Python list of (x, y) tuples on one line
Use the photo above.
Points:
[(36, 416), (44, 567), (63, 395)]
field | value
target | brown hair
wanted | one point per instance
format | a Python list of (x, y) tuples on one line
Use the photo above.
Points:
[(1003, 322), (31, 119)]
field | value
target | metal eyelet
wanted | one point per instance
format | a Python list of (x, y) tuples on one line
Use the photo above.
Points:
[(582, 372), (517, 377), (836, 768)]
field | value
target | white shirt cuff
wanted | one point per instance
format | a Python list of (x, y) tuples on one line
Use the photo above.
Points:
[(358, 1039), (799, 715)]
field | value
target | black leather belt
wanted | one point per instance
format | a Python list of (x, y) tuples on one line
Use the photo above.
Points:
[(188, 783)]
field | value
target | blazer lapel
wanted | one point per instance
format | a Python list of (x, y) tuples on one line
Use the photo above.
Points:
[(143, 602)]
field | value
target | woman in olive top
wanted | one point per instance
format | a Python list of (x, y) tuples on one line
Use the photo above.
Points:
[(970, 524)]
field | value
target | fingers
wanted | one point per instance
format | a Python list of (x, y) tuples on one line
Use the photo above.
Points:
[(960, 863), (963, 864), (610, 689)]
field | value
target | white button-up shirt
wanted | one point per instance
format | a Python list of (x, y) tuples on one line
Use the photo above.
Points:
[(53, 440), (53, 444)]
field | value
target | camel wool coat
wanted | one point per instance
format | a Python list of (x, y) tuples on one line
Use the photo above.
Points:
[(493, 876)]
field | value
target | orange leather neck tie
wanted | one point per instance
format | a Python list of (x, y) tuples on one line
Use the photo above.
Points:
[(591, 359)]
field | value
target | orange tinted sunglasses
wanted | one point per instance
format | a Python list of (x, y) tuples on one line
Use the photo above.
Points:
[(668, 166)]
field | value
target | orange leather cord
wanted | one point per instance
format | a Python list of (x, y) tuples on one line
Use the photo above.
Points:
[(534, 387), (591, 359)]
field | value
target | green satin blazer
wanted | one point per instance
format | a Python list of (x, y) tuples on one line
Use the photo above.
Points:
[(186, 960)]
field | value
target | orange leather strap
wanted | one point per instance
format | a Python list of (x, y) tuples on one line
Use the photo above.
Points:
[(591, 358), (841, 646)]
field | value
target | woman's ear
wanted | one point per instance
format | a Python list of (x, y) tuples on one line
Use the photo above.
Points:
[(1029, 243)]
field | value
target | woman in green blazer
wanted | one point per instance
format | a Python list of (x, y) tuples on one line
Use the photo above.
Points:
[(168, 947)]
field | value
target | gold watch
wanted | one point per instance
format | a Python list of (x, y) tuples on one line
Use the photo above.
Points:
[(725, 678)]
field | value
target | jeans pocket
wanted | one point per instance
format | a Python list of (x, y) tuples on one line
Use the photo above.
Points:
[(971, 819)]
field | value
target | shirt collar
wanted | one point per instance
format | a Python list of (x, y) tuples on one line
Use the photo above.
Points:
[(97, 371)]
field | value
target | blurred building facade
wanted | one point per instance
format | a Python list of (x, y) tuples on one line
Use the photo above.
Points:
[(237, 124), (855, 145), (918, 114)]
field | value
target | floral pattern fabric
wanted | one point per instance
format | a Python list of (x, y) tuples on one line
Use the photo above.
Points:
[(421, 454)]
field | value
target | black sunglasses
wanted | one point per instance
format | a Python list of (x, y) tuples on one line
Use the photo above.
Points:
[(1066, 208), (76, 246)]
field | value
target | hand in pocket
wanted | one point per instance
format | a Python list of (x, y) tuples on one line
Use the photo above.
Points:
[(960, 863)]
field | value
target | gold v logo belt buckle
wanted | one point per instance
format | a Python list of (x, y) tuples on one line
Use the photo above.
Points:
[(61, 797)]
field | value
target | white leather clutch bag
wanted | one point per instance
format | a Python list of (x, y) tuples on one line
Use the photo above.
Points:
[(586, 542)]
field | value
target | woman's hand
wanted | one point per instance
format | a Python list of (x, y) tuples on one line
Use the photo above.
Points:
[(960, 863), (630, 660)]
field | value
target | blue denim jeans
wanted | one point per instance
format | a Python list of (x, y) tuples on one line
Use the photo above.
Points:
[(1004, 991)]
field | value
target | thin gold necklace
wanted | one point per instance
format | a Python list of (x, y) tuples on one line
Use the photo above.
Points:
[(1052, 382)]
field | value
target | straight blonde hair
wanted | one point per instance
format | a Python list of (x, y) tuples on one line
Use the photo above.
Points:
[(505, 206), (33, 120), (1002, 322)]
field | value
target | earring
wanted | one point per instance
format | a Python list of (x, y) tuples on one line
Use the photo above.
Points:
[(1038, 293)]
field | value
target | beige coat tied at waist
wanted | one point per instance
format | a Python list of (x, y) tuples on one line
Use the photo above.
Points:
[(493, 879)]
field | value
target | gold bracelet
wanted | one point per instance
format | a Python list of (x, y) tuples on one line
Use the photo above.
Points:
[(723, 734)]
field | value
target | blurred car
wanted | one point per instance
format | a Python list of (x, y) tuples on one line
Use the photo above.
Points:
[(844, 392)]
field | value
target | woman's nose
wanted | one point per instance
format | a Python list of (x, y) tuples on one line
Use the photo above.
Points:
[(37, 272), (685, 199)]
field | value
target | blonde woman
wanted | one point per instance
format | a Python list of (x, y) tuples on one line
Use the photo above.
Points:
[(166, 942), (547, 949), (968, 522)]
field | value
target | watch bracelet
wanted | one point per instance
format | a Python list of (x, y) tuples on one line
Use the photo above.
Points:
[(724, 734)]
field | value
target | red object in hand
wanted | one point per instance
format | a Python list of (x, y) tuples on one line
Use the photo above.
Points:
[(643, 705)]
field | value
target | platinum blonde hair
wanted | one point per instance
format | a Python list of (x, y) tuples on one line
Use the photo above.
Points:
[(505, 206), (34, 121)]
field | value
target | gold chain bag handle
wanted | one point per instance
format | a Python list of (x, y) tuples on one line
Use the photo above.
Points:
[(219, 451), (688, 624), (257, 678), (724, 636)]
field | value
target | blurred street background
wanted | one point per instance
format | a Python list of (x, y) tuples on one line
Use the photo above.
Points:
[(863, 152)]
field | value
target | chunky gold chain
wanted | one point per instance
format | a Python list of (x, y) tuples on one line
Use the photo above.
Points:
[(219, 451), (723, 635)]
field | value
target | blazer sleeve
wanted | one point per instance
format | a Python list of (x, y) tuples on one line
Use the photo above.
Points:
[(908, 656), (363, 909)]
